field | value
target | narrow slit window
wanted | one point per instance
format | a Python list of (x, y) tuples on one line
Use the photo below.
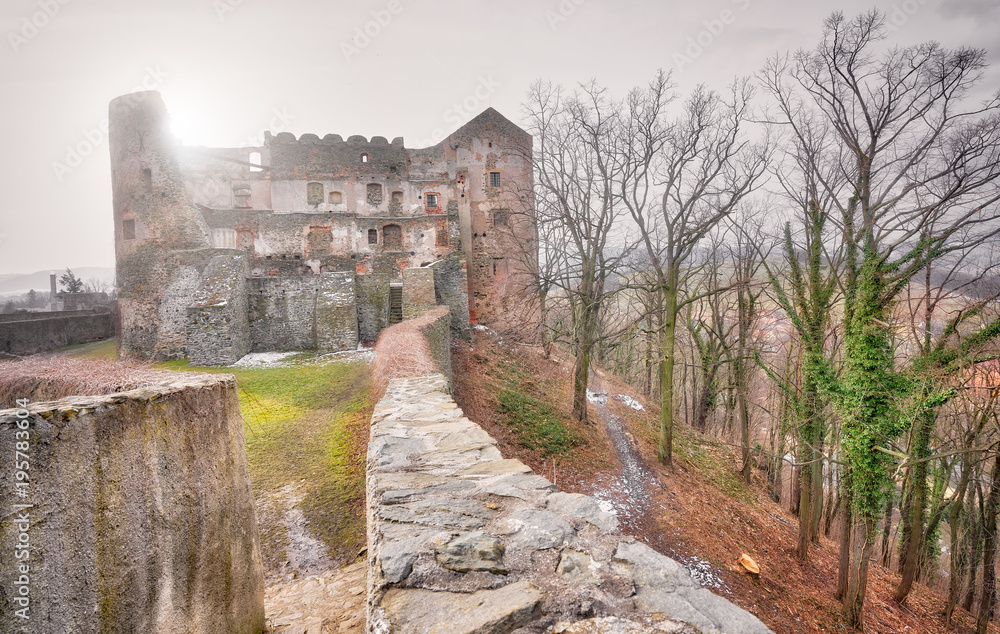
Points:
[(364, 157), (147, 180), (373, 236)]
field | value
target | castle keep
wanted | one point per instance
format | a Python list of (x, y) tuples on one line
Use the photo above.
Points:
[(309, 243)]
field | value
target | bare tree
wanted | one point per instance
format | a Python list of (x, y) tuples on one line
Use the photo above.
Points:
[(679, 182), (574, 172), (924, 173)]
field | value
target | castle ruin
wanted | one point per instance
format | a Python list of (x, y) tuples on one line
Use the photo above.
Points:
[(309, 243)]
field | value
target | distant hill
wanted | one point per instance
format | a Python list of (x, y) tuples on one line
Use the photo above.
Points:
[(16, 284)]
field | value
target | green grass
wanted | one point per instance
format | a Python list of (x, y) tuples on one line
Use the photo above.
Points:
[(306, 425), (519, 401), (690, 446), (106, 350)]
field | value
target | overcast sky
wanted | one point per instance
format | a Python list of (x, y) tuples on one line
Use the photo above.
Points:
[(228, 69)]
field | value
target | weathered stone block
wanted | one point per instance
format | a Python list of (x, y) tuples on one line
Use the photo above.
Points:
[(418, 292), (142, 516), (218, 330), (336, 313)]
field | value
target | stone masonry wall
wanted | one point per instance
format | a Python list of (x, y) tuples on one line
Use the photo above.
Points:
[(218, 332), (461, 539), (336, 313), (418, 291), (142, 515), (48, 331), (282, 313), (451, 288)]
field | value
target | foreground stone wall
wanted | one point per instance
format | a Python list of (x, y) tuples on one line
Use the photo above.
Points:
[(41, 332), (141, 516), (461, 539)]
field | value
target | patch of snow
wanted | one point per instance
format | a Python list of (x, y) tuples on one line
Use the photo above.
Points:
[(361, 355), (263, 360), (281, 359), (607, 506), (597, 398), (628, 401), (701, 571)]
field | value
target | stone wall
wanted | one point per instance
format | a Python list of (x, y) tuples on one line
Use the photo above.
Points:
[(142, 515), (282, 313), (452, 290), (336, 313), (41, 332), (460, 537), (218, 331), (418, 291)]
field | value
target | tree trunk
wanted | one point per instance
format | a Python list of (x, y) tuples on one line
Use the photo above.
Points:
[(915, 520), (805, 504), (844, 564), (817, 488), (920, 450), (988, 595), (795, 498), (857, 582), (887, 532), (665, 449), (975, 549), (581, 376), (956, 557)]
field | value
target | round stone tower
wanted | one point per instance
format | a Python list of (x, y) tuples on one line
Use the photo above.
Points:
[(156, 227)]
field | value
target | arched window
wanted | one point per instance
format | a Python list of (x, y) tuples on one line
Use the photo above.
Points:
[(364, 157), (336, 198), (392, 238)]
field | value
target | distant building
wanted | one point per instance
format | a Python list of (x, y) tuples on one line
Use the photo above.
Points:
[(309, 243)]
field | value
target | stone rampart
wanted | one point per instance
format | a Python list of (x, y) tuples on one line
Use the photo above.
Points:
[(461, 539), (41, 332), (137, 517)]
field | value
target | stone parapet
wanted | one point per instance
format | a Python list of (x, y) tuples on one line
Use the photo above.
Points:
[(461, 539)]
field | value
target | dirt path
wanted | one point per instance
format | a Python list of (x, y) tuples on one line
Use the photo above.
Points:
[(628, 493)]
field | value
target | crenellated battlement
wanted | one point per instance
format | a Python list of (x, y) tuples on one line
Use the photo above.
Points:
[(355, 140)]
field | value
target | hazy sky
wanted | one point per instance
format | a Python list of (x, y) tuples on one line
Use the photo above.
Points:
[(228, 69)]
